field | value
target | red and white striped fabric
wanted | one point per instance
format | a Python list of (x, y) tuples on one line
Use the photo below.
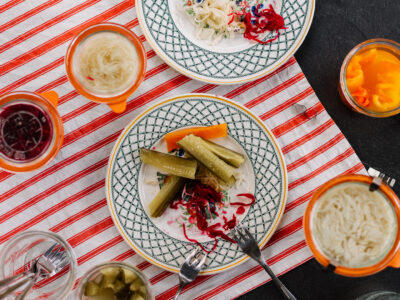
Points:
[(67, 196)]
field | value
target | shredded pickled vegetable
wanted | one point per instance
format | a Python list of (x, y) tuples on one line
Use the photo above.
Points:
[(260, 21), (217, 19), (208, 178), (214, 19), (107, 63), (353, 225)]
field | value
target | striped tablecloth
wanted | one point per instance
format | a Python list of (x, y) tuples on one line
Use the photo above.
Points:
[(67, 196)]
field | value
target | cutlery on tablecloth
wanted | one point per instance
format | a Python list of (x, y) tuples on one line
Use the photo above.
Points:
[(190, 269), (248, 244), (47, 265)]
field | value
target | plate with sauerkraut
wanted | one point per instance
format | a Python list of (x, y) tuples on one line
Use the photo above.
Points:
[(185, 172), (225, 41)]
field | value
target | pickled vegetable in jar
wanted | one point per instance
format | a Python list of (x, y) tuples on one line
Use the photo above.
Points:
[(25, 131), (373, 79)]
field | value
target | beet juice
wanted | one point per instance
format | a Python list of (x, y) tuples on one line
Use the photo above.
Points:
[(26, 131)]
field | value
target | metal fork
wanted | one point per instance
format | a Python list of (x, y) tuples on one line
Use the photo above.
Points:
[(47, 265), (190, 269), (248, 244)]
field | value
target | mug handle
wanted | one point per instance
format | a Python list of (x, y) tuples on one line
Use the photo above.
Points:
[(118, 107), (52, 96), (395, 262)]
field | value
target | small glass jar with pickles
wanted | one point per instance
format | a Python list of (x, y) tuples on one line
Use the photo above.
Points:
[(113, 281)]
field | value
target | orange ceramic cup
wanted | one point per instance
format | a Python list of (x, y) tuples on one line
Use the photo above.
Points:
[(45, 102), (392, 258), (116, 102)]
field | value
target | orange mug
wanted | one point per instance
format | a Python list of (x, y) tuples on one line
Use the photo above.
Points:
[(391, 259), (117, 102), (31, 130)]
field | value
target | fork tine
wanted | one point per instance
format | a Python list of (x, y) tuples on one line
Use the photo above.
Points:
[(235, 234), (240, 231), (47, 253), (198, 257), (192, 254), (246, 230), (203, 260), (60, 256), (54, 254), (64, 263)]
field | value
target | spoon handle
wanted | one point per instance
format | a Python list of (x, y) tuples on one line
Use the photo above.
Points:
[(16, 282), (7, 280), (26, 290)]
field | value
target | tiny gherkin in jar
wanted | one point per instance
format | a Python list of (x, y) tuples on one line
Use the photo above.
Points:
[(116, 283)]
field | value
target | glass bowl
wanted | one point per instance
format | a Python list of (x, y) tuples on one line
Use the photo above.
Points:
[(31, 119), (383, 44), (117, 102), (17, 254), (390, 257), (93, 272)]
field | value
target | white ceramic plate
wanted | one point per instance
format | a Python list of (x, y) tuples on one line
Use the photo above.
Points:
[(172, 35), (130, 184)]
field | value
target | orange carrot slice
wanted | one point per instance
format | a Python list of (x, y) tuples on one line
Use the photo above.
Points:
[(208, 132)]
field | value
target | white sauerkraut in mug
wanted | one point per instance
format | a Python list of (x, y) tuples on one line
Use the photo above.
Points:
[(352, 225), (106, 63)]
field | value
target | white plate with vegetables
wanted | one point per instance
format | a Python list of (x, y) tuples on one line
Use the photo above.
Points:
[(225, 41), (189, 169)]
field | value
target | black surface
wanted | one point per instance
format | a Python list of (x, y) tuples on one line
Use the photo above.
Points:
[(337, 27)]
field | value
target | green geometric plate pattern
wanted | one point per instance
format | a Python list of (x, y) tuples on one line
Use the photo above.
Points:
[(122, 183), (223, 66)]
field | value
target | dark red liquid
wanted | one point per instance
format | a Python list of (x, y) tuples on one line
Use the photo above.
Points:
[(25, 131)]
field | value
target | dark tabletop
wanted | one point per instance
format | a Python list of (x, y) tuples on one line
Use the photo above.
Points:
[(337, 27)]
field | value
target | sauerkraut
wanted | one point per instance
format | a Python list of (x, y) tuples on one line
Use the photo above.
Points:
[(107, 63), (352, 225), (214, 19)]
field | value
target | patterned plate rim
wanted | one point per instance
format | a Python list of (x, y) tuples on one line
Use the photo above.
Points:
[(126, 130), (208, 79)]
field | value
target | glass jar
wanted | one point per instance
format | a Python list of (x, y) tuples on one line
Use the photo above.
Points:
[(92, 273), (18, 253), (380, 44), (389, 257), (31, 130)]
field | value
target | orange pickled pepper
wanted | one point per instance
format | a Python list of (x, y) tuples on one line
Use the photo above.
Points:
[(373, 79)]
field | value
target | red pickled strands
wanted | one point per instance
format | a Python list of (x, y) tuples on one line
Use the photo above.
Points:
[(202, 197), (264, 20), (90, 78), (247, 195), (213, 233), (195, 241), (240, 210), (231, 21), (229, 224)]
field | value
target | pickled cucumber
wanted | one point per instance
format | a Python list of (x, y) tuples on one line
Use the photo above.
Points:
[(229, 156), (196, 147), (135, 286), (128, 276), (137, 296), (169, 164), (91, 289), (143, 290), (109, 276), (166, 195), (116, 284)]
